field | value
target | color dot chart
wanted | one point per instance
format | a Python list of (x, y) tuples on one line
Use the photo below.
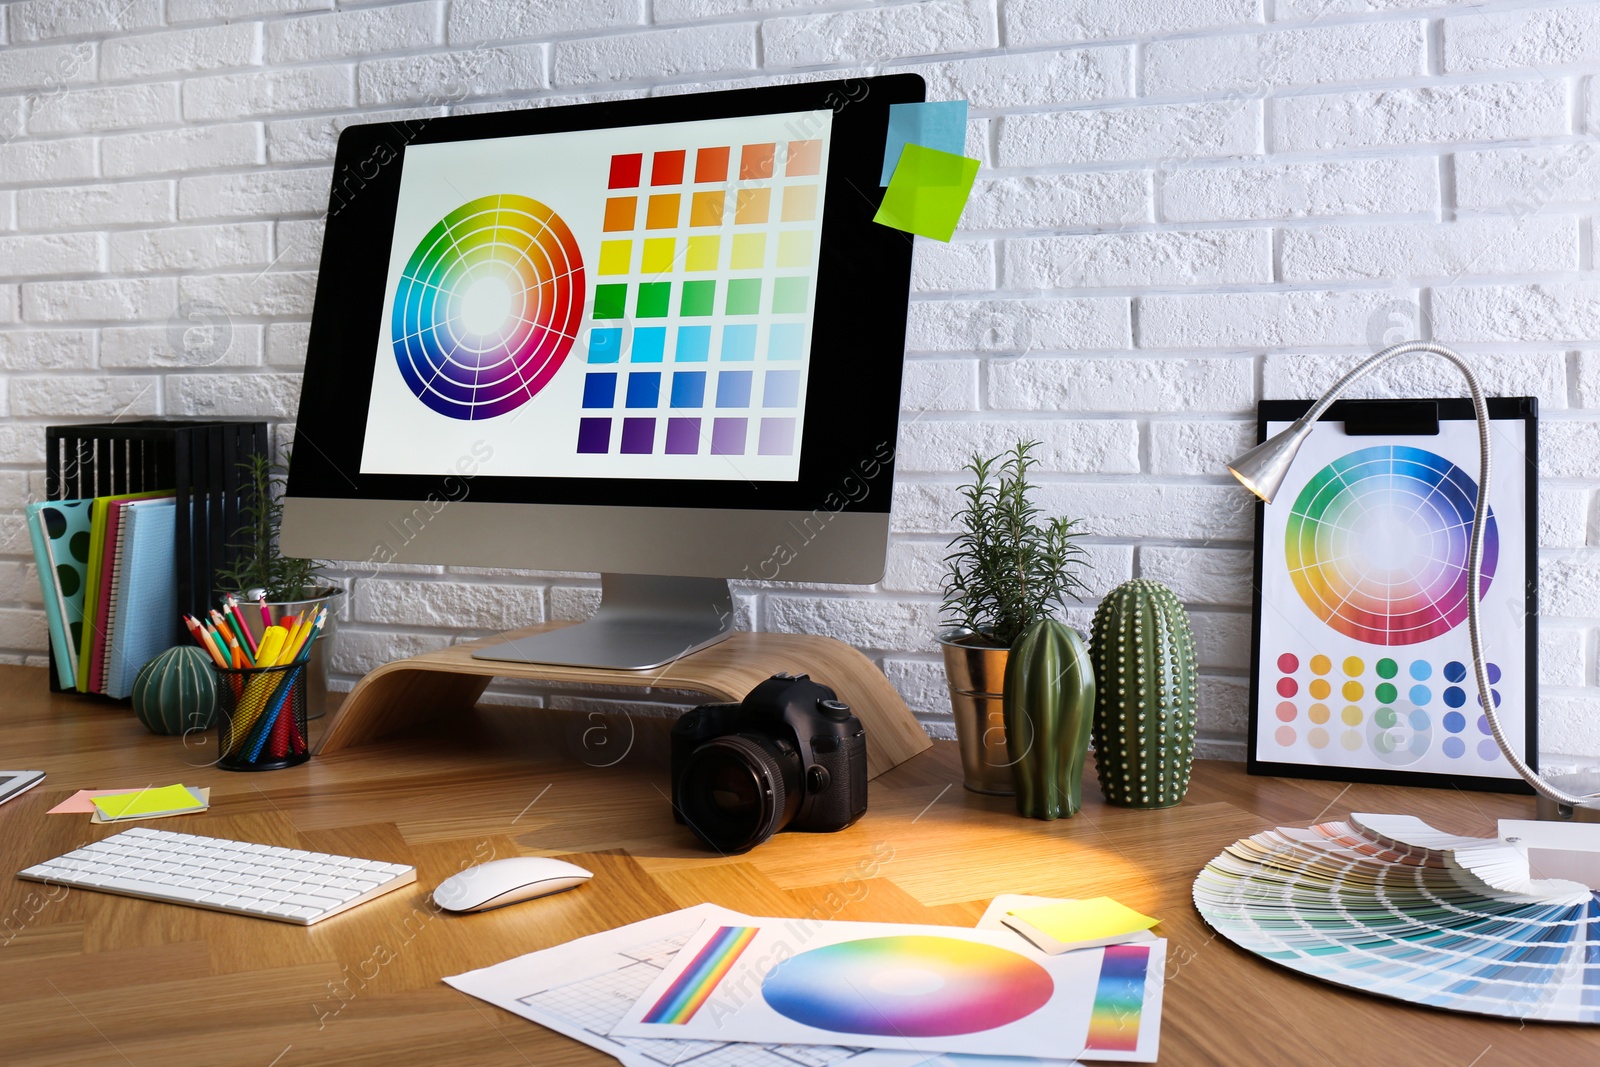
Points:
[(1364, 659)]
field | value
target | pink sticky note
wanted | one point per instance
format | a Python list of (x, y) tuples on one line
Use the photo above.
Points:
[(81, 801)]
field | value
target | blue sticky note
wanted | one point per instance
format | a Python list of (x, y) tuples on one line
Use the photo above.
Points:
[(941, 125)]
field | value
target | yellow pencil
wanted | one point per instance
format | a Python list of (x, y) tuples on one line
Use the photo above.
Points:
[(303, 633), (296, 635)]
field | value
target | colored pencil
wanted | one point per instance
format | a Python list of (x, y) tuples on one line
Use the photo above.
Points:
[(203, 641), (237, 617), (266, 616)]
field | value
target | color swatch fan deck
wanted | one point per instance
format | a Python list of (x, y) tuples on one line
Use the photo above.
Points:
[(1388, 905), (1364, 658), (615, 303)]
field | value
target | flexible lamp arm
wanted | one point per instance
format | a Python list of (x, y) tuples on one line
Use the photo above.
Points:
[(1290, 440)]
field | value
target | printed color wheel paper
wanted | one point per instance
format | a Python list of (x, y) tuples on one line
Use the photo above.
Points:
[(926, 989), (1364, 659)]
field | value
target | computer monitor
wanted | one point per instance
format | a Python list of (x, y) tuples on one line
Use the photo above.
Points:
[(659, 338)]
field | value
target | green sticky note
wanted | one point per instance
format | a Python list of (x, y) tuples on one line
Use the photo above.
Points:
[(927, 193), (147, 802)]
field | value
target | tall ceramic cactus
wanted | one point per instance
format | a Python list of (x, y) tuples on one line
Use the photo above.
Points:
[(1145, 685), (1049, 700)]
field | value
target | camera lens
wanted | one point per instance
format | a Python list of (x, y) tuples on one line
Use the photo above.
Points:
[(736, 791)]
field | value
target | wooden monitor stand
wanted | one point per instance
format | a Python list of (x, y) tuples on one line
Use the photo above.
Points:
[(450, 681)]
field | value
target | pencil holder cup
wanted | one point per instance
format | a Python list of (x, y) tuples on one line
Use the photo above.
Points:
[(261, 718)]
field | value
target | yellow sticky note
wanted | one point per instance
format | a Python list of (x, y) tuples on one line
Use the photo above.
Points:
[(1085, 920), (927, 193), (147, 802)]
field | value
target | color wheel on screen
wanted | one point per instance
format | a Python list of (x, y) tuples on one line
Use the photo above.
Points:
[(488, 307), (1376, 544)]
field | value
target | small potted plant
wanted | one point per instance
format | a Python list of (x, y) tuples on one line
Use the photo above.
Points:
[(1010, 568), (292, 586)]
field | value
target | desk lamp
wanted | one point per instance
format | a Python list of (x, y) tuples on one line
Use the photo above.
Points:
[(1262, 470)]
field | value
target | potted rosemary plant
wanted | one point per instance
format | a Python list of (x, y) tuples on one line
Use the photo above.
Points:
[(1009, 569), (292, 586)]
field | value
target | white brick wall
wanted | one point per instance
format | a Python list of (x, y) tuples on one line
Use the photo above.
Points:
[(1185, 207)]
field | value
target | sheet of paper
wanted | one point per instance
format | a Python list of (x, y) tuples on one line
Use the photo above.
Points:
[(582, 988), (1569, 851), (1085, 920), (928, 192), (79, 802), (941, 124), (1004, 904), (145, 802), (927, 989)]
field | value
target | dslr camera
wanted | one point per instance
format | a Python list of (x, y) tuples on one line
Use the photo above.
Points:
[(790, 756)]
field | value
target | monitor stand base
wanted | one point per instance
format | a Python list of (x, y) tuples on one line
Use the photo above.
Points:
[(450, 681), (643, 622)]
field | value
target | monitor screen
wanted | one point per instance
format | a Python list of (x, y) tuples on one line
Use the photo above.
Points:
[(659, 336)]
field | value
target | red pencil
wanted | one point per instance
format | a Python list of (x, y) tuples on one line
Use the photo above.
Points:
[(266, 616), (233, 609)]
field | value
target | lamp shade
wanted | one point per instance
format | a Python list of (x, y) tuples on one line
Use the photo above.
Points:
[(1262, 469)]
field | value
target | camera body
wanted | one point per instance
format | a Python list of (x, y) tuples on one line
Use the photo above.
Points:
[(790, 756)]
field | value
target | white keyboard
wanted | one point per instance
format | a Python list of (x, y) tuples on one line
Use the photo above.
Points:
[(238, 877)]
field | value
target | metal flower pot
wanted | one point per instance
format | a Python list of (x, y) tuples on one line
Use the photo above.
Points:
[(321, 650), (976, 674)]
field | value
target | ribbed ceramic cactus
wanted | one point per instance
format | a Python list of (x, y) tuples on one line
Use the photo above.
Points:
[(1049, 700), (176, 692), (1145, 685)]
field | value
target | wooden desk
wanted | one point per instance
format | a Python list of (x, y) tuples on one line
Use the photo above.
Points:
[(94, 979)]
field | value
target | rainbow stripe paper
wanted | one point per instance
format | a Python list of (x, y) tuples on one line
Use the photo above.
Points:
[(694, 986), (1119, 999)]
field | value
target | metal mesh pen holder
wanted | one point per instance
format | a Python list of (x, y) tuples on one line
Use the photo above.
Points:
[(261, 718)]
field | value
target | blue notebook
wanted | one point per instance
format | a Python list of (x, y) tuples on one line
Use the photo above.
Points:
[(146, 591)]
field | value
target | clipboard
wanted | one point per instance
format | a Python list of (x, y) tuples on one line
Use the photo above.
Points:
[(1361, 667)]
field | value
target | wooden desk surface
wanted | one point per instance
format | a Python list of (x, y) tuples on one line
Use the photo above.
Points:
[(91, 979)]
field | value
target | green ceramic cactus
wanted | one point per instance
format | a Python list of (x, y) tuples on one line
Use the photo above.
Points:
[(1145, 684), (1049, 700), (176, 692)]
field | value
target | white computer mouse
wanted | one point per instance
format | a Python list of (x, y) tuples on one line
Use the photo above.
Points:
[(500, 882)]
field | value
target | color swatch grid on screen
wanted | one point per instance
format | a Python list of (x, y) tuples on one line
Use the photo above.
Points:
[(488, 307), (1377, 545), (702, 301), (1398, 708)]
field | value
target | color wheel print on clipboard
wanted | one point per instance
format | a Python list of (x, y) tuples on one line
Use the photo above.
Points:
[(1362, 664)]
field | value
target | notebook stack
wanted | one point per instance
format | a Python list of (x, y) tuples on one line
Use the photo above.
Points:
[(107, 571)]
